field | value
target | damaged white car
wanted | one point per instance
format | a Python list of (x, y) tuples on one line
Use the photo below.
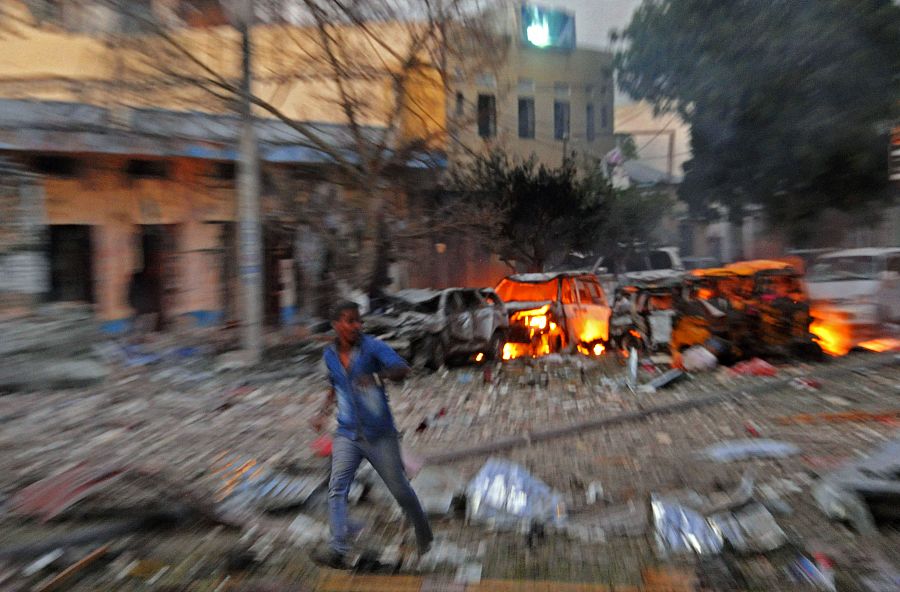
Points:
[(431, 328)]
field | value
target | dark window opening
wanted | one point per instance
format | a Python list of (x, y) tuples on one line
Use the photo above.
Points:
[(487, 116), (526, 118), (604, 118), (589, 122), (224, 171), (147, 169), (561, 120), (56, 166), (460, 104), (71, 262)]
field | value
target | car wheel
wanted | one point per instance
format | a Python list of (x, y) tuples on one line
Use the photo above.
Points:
[(495, 346), (437, 353), (420, 354)]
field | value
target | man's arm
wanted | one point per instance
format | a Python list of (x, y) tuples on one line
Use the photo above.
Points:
[(393, 367), (395, 373), (319, 419)]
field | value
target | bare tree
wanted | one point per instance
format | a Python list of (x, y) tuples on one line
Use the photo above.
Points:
[(381, 69)]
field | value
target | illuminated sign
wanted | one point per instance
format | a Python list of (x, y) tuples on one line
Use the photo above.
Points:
[(547, 27)]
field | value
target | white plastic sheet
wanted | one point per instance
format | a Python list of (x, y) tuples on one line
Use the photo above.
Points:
[(505, 494)]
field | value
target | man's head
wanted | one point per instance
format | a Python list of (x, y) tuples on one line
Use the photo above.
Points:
[(346, 322)]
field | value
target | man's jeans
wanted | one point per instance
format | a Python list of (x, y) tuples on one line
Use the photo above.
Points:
[(384, 456)]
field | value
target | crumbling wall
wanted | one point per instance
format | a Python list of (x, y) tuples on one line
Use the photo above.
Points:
[(23, 260)]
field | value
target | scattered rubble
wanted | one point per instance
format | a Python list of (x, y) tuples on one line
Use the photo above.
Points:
[(50, 349), (173, 422), (863, 491)]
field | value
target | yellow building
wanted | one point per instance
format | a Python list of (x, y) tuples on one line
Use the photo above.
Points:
[(138, 165)]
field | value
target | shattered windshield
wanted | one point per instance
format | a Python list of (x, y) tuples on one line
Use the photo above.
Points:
[(836, 269), (511, 291)]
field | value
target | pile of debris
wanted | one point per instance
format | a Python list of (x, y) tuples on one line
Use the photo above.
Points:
[(50, 348)]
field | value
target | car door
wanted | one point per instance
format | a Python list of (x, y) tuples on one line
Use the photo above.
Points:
[(459, 318), (593, 312), (889, 288), (483, 312), (568, 301)]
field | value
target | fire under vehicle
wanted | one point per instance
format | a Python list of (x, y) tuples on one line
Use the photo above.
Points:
[(855, 296), (754, 307), (777, 309), (554, 312)]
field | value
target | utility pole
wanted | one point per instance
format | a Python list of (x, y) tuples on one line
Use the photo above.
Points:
[(249, 228)]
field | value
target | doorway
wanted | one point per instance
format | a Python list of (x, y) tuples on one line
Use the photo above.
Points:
[(154, 283)]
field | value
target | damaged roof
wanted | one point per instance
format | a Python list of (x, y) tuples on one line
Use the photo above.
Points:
[(417, 295), (537, 278)]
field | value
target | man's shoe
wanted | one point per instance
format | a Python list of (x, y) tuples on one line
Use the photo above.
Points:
[(423, 547), (329, 558)]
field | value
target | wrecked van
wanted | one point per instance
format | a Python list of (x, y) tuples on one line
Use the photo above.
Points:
[(433, 327), (553, 312), (854, 294)]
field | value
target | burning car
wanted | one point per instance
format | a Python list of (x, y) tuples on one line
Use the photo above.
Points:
[(643, 312), (553, 312), (433, 327), (855, 293)]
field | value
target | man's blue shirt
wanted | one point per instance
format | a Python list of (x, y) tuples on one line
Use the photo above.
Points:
[(362, 408)]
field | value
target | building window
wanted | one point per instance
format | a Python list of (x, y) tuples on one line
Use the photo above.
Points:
[(562, 89), (57, 166), (486, 80), (460, 108), (604, 117), (487, 116), (223, 171), (561, 120), (526, 85), (526, 117), (589, 122), (147, 169)]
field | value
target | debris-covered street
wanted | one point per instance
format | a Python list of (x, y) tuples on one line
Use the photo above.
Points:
[(449, 296), (185, 471)]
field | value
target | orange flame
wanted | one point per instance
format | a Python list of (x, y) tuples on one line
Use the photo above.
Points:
[(883, 344), (593, 330), (512, 351), (831, 333), (479, 356)]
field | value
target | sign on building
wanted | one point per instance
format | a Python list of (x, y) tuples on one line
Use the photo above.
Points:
[(547, 27)]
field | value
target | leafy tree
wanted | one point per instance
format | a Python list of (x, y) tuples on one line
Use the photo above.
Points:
[(788, 101), (531, 214), (627, 145), (526, 212), (630, 217)]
